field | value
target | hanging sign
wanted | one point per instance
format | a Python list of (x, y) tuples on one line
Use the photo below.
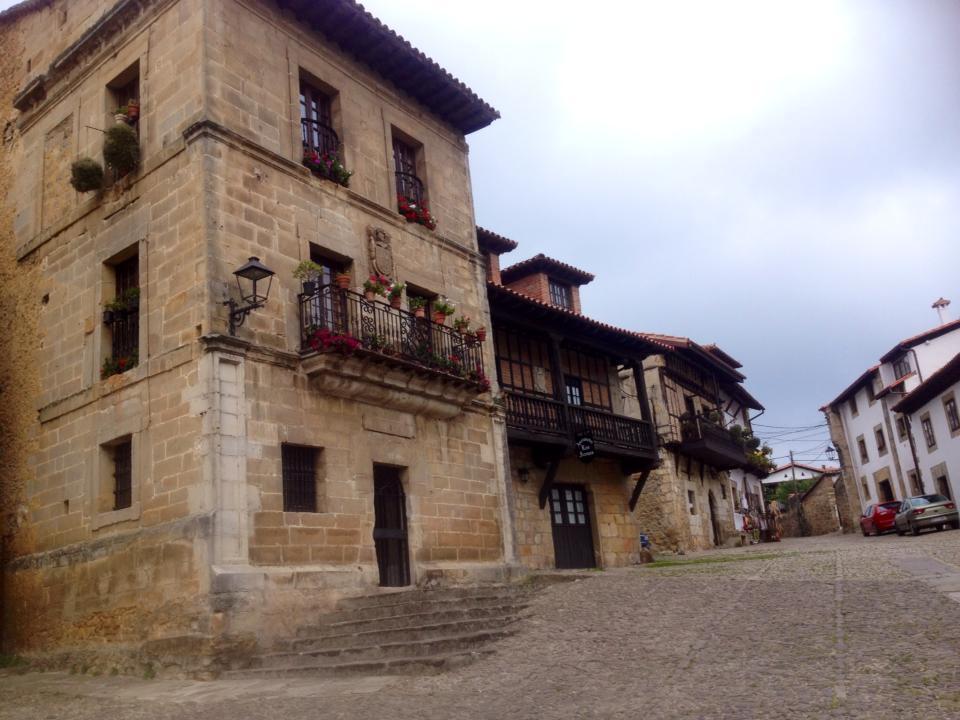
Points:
[(585, 447)]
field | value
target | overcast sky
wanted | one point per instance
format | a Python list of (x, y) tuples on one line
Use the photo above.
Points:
[(781, 178)]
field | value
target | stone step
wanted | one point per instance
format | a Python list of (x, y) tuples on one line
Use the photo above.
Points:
[(417, 604), (393, 666), (419, 631), (407, 615), (381, 652), (419, 595), (427, 617)]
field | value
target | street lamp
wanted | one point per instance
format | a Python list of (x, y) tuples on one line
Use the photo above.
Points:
[(253, 272)]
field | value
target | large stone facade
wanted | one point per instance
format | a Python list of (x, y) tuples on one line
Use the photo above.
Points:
[(204, 559)]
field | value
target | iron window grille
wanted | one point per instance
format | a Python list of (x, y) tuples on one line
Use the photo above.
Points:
[(123, 475), (299, 478), (316, 121), (125, 325)]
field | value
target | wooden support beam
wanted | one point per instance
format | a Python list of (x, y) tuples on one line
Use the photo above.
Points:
[(638, 488), (548, 479)]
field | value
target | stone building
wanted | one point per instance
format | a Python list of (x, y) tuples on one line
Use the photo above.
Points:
[(657, 413), (213, 458), (702, 415)]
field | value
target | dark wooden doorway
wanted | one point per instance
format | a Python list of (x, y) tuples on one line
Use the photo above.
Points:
[(886, 491), (572, 536), (390, 527), (714, 519)]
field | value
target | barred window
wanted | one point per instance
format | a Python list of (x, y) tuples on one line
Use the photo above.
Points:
[(299, 478), (560, 295), (122, 475)]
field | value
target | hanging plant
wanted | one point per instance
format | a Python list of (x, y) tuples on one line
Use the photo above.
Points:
[(121, 149), (86, 175)]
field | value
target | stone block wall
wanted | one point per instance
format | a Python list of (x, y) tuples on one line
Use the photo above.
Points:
[(820, 508), (616, 531)]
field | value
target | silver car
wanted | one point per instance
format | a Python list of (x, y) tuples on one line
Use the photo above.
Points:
[(926, 511)]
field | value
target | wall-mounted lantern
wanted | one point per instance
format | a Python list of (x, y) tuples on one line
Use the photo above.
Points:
[(248, 276)]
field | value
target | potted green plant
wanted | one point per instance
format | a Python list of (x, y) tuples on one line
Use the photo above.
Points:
[(121, 149), (308, 273), (442, 309), (120, 115), (86, 175), (395, 294), (417, 305), (462, 323)]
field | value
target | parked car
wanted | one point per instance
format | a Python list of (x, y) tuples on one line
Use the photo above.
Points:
[(877, 519), (926, 511)]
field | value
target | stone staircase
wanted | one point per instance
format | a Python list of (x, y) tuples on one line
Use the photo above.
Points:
[(412, 631)]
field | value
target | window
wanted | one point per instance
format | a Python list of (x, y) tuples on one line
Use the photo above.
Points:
[(316, 120), (950, 409), (123, 97), (881, 441), (299, 478), (425, 296), (723, 491), (574, 390), (862, 445), (689, 406), (523, 362), (122, 457), (943, 486), (901, 367), (871, 393), (901, 427), (592, 373), (865, 488), (852, 402), (928, 431), (121, 316), (692, 502), (330, 263), (409, 184), (561, 295), (914, 481)]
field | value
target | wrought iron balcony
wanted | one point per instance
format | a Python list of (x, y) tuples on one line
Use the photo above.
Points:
[(409, 186), (545, 420), (319, 137), (334, 320), (705, 440)]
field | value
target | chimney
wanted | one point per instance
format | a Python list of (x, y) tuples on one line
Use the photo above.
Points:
[(941, 307)]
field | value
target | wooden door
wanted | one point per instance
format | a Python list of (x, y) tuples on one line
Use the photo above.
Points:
[(390, 527), (572, 536)]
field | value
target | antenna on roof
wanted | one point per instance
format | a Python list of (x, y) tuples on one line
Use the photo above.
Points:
[(941, 307)]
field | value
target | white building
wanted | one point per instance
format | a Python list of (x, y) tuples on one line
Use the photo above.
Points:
[(798, 471), (876, 449), (933, 421)]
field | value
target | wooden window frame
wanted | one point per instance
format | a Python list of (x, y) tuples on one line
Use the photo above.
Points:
[(561, 294), (952, 414), (881, 440), (901, 428), (317, 102), (901, 366), (862, 447), (593, 371), (929, 435), (852, 404)]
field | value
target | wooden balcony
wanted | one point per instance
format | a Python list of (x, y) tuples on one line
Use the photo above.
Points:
[(710, 443), (367, 350), (545, 421)]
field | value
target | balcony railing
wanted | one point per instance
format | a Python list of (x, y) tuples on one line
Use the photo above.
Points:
[(333, 319), (548, 417), (319, 137), (409, 186), (706, 440)]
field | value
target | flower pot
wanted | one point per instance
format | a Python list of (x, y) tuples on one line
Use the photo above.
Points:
[(120, 119), (309, 287), (133, 111), (342, 280), (395, 302), (369, 295), (481, 334), (439, 318), (420, 312), (108, 317)]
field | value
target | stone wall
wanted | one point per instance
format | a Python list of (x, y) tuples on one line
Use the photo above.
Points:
[(616, 531), (848, 496), (820, 508)]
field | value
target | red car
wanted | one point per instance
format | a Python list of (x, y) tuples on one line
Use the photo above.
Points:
[(878, 519)]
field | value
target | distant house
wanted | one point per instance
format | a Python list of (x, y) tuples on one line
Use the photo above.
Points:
[(798, 471)]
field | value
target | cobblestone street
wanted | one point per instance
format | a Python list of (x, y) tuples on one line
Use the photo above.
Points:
[(845, 627)]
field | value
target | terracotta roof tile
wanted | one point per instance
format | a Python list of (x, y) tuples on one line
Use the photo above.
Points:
[(491, 241), (542, 263)]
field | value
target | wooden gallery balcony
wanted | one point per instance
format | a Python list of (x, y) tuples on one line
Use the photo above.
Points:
[(541, 420), (707, 441), (367, 350)]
